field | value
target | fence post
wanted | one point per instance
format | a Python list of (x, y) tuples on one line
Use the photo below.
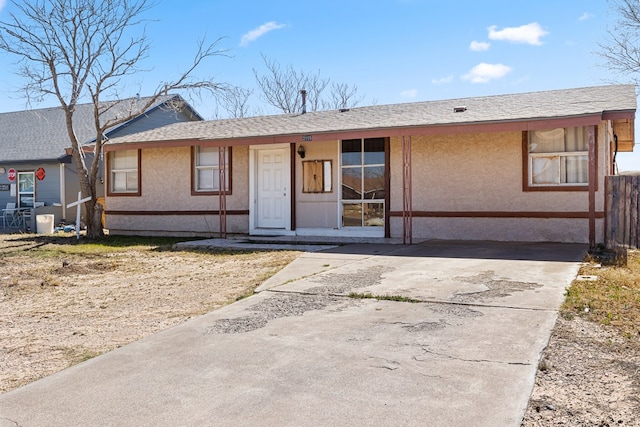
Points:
[(634, 186), (608, 210)]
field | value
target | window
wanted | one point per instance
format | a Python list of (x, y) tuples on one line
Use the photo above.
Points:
[(26, 189), (557, 159), (316, 176), (123, 172), (206, 170), (363, 182)]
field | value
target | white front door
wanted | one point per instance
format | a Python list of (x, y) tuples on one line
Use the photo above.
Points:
[(272, 188)]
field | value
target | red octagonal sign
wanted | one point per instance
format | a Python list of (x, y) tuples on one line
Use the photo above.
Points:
[(11, 175)]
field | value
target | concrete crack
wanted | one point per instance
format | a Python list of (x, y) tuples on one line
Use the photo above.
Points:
[(12, 422), (391, 365), (450, 357), (390, 368)]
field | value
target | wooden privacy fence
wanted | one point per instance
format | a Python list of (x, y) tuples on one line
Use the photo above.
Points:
[(622, 212)]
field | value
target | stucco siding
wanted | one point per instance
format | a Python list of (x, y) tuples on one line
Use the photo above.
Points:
[(465, 187), (318, 210), (460, 174), (566, 230), (166, 188), (175, 225)]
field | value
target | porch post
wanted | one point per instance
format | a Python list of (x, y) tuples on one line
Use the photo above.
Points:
[(593, 178), (222, 193), (407, 198)]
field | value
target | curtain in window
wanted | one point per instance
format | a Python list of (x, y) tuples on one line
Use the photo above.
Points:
[(567, 161), (207, 173), (545, 170), (576, 170), (547, 141), (576, 139), (124, 170), (127, 159)]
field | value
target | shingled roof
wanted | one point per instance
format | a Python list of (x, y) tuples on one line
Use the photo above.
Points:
[(593, 102), (41, 135)]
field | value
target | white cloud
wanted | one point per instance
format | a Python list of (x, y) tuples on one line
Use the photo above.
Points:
[(484, 73), (529, 34), (479, 46), (256, 33), (442, 81), (585, 16), (409, 93)]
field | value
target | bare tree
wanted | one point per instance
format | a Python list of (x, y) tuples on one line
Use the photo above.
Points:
[(82, 49), (235, 101), (621, 51), (281, 87), (342, 96)]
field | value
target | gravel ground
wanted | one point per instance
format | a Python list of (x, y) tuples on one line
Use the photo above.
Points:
[(588, 376)]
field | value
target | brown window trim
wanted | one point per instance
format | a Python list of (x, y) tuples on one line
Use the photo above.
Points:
[(119, 193), (525, 170), (194, 192)]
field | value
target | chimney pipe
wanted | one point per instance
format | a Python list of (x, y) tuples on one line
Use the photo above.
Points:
[(304, 101)]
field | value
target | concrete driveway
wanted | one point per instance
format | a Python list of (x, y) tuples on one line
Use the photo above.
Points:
[(303, 353)]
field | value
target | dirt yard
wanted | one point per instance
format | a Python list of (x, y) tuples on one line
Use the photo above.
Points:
[(589, 376), (59, 308)]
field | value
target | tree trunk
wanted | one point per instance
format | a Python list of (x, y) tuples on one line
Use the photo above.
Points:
[(94, 220), (94, 227)]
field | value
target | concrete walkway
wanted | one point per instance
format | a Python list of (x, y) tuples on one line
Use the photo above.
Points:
[(303, 353)]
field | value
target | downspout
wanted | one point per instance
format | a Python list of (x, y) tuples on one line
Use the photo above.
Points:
[(615, 154)]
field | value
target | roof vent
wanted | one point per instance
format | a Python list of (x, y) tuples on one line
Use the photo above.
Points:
[(460, 109), (343, 110)]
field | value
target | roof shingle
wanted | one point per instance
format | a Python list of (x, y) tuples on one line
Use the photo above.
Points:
[(37, 135), (489, 109)]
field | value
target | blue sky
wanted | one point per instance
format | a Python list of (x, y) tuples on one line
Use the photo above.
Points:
[(393, 50)]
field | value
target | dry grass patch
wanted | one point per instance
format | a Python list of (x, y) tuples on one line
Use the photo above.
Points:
[(590, 371), (613, 298), (64, 301)]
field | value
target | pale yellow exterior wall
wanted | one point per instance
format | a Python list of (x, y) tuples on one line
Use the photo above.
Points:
[(318, 210), (483, 172), (166, 186), (450, 173)]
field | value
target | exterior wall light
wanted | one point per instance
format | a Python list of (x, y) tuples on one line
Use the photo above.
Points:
[(301, 151)]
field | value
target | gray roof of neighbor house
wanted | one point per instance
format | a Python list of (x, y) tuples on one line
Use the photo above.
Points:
[(39, 135), (398, 119)]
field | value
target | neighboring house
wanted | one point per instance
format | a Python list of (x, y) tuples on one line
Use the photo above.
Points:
[(520, 167), (34, 165)]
